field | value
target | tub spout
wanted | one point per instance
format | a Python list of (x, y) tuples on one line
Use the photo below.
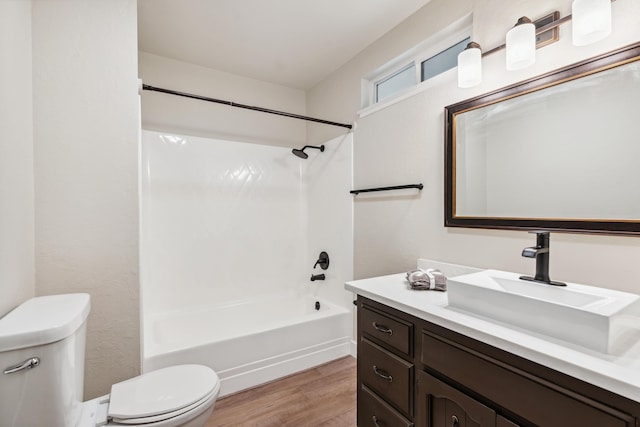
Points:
[(315, 277)]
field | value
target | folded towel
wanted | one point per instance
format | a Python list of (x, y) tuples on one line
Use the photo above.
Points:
[(430, 279)]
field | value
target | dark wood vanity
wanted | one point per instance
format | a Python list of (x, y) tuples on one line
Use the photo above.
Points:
[(412, 372)]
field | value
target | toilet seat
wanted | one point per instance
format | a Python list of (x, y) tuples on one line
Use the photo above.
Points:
[(162, 394), (158, 420)]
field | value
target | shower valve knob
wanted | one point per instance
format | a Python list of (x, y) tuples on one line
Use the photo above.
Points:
[(323, 261)]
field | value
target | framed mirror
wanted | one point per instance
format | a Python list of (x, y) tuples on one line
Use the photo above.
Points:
[(560, 151)]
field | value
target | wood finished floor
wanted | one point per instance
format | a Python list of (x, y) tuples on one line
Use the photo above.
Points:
[(324, 396)]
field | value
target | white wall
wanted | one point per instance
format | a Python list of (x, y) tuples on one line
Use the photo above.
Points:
[(169, 113), (404, 143), (16, 156), (86, 125)]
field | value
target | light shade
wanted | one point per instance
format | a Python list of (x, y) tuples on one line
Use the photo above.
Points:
[(591, 21), (521, 45), (470, 66)]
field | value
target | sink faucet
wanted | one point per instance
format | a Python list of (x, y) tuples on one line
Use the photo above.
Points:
[(541, 253)]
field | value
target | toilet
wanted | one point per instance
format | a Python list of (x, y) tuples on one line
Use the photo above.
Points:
[(42, 346)]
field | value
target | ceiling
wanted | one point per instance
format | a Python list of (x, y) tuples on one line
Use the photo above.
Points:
[(295, 43)]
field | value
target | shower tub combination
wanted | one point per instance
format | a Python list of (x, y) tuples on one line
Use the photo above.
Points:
[(251, 342), (227, 232)]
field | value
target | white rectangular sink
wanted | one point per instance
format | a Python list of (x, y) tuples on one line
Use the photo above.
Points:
[(601, 319)]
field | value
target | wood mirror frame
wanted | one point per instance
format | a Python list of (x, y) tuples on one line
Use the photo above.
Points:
[(569, 73)]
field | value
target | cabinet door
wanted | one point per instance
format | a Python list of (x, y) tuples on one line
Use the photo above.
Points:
[(440, 405), (503, 422)]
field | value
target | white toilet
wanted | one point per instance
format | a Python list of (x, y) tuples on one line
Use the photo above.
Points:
[(42, 344)]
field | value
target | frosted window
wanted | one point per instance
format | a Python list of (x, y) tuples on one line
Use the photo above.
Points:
[(393, 84), (443, 61)]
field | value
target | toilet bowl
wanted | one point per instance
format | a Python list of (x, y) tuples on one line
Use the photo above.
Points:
[(42, 346)]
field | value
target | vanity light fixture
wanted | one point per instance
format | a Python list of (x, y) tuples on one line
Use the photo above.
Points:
[(521, 45), (591, 23), (470, 66)]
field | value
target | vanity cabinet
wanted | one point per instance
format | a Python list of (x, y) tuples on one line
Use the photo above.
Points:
[(414, 372)]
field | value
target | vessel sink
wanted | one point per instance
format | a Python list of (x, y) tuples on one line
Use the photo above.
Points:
[(601, 319)]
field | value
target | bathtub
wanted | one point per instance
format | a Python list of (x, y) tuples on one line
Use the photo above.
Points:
[(249, 342)]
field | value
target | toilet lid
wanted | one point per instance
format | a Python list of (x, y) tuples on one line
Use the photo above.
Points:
[(161, 392)]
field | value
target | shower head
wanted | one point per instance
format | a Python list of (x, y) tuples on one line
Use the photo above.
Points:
[(302, 154)]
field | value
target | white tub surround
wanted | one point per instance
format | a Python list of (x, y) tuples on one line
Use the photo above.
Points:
[(619, 374), (224, 221), (221, 222)]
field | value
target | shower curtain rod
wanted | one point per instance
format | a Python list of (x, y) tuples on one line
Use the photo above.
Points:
[(246, 107)]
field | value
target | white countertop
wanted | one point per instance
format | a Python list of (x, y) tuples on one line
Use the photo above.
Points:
[(617, 373)]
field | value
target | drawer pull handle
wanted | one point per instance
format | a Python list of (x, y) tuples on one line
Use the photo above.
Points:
[(383, 329), (376, 423), (382, 374), (454, 421)]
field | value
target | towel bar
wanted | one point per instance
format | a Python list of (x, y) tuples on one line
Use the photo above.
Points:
[(397, 187)]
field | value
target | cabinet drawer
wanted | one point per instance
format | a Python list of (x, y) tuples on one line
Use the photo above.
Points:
[(375, 412), (387, 374), (540, 401), (390, 330)]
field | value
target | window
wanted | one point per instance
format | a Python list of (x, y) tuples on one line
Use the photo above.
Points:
[(442, 61), (396, 82), (431, 58)]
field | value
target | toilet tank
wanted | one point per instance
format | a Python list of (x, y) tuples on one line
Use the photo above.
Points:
[(47, 333)]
